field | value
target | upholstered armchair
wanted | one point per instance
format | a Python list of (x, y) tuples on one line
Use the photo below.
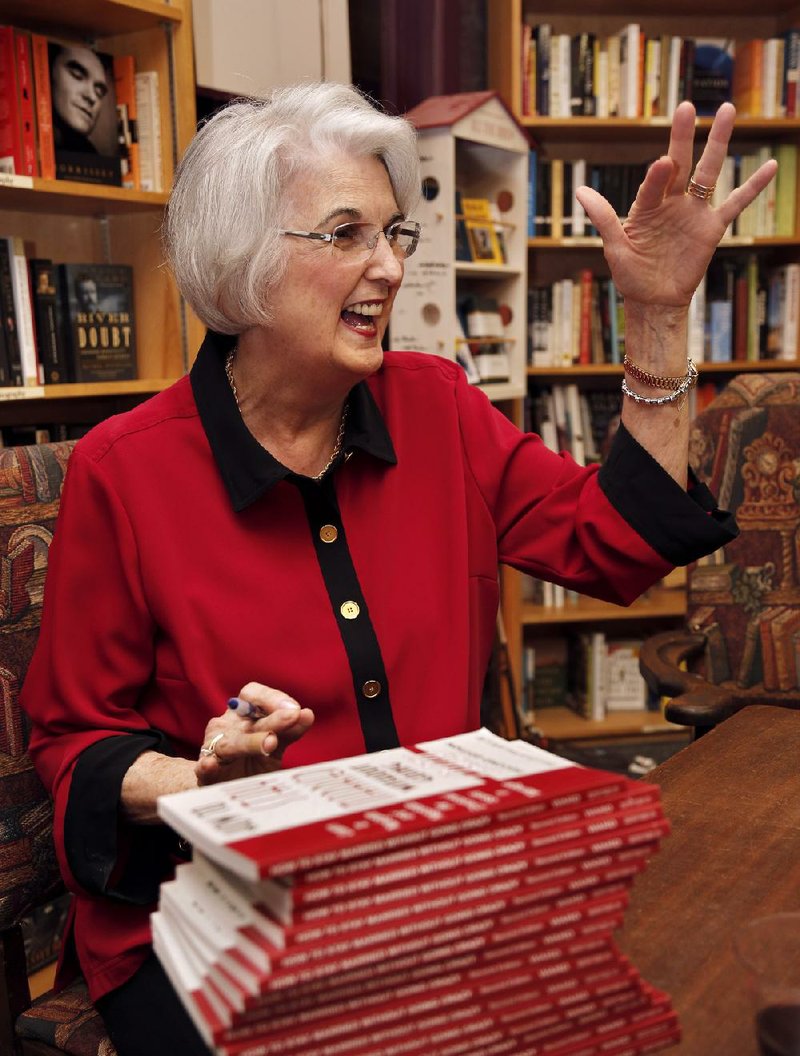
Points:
[(742, 641), (30, 489)]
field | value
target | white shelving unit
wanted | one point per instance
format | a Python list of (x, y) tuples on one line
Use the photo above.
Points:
[(469, 143)]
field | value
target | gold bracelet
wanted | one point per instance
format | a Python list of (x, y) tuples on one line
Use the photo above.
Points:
[(652, 379)]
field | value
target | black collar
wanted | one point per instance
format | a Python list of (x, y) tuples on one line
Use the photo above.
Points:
[(247, 469)]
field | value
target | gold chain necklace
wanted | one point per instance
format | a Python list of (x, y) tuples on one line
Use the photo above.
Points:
[(337, 447)]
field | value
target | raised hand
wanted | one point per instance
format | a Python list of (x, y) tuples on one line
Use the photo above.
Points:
[(660, 253)]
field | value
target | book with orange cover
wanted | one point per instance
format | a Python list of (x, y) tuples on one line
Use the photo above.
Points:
[(748, 73), (27, 118), (125, 85), (44, 107)]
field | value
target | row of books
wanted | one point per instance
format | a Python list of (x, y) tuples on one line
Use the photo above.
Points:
[(742, 311), (591, 673), (69, 112), (635, 74), (555, 212), (64, 322), (53, 432), (481, 345), (455, 898), (579, 421)]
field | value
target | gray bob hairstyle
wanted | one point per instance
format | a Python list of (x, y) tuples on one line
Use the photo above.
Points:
[(227, 203)]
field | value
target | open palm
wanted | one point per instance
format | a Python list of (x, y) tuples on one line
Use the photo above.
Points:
[(661, 252)]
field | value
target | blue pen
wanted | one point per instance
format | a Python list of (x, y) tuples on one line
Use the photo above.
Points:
[(245, 708)]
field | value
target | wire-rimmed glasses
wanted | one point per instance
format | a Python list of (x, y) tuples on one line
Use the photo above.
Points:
[(359, 238)]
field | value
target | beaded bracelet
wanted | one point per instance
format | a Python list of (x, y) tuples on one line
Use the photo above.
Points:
[(651, 379), (655, 401)]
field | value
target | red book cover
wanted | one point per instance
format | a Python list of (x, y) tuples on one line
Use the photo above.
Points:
[(379, 874), (585, 338), (44, 107), (27, 115), (324, 829), (12, 159)]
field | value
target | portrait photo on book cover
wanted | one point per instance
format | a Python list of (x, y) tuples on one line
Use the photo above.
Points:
[(85, 119)]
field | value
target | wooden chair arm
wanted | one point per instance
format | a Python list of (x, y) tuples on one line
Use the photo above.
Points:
[(660, 658)]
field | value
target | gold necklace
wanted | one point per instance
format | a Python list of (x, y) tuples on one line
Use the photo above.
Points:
[(337, 447)]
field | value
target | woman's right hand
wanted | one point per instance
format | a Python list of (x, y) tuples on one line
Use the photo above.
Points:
[(245, 746)]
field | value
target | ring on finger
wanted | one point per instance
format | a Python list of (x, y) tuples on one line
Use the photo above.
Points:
[(700, 190), (211, 747)]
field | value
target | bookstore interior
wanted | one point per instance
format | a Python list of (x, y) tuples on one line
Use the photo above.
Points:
[(491, 940)]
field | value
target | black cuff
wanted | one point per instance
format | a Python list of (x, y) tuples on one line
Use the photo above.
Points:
[(106, 855), (680, 525)]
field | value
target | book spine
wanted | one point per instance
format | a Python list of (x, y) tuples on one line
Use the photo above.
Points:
[(20, 284), (11, 147), (44, 107), (10, 325), (5, 363), (125, 85), (25, 104), (45, 313), (149, 128)]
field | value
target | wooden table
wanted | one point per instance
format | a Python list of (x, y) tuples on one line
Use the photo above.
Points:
[(733, 799)]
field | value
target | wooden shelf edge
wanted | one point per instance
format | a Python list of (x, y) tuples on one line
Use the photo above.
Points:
[(659, 603), (657, 124), (563, 724), (730, 367), (91, 17), (79, 390), (67, 196), (595, 242)]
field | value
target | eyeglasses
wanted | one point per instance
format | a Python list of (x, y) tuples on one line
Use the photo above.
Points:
[(360, 239)]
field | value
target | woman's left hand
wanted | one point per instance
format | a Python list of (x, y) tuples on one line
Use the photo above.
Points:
[(660, 253)]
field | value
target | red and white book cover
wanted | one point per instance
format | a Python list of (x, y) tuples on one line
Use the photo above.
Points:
[(274, 824)]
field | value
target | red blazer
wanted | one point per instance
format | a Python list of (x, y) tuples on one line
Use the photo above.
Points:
[(186, 562)]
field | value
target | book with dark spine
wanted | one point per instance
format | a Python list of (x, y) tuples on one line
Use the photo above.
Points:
[(99, 323)]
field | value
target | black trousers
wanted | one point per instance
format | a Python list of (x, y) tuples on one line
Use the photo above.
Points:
[(145, 1017)]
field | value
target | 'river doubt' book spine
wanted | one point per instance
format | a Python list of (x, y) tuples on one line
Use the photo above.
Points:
[(99, 323)]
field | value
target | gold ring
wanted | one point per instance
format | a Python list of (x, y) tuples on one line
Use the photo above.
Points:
[(211, 747), (699, 190)]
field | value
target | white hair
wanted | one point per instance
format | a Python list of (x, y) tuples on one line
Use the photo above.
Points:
[(228, 198)]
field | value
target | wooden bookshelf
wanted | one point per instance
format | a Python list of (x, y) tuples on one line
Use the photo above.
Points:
[(90, 223), (622, 140)]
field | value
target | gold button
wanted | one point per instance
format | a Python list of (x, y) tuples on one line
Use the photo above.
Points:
[(328, 533), (350, 610), (371, 689)]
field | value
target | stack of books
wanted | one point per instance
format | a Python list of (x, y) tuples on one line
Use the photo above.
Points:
[(457, 897)]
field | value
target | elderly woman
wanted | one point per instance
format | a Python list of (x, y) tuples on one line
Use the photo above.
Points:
[(314, 525)]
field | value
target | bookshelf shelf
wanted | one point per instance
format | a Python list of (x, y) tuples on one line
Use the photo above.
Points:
[(595, 243), (562, 724), (661, 603), (77, 390), (86, 199), (91, 17), (615, 370), (591, 129)]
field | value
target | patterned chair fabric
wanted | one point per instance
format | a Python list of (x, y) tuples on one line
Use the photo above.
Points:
[(30, 489), (743, 612)]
